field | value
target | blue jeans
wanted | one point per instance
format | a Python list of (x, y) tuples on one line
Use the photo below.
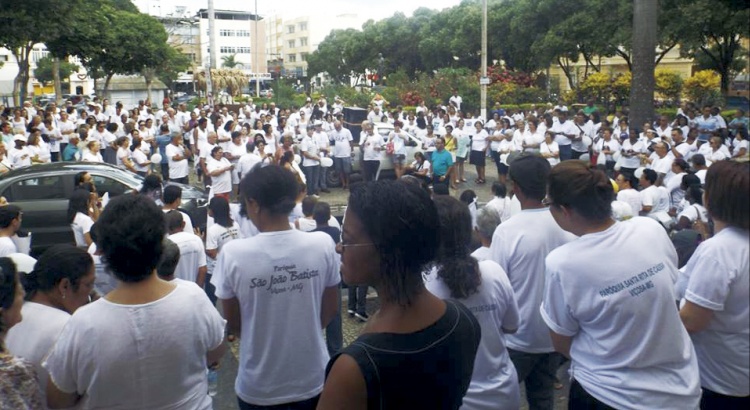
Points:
[(538, 371), (566, 152), (322, 178), (312, 173), (334, 333)]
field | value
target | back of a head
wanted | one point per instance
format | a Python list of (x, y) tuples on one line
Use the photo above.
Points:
[(131, 230), (499, 189), (583, 189), (467, 196), (698, 160), (171, 194), (308, 205), (401, 220), (728, 193), (7, 214), (173, 221), (78, 202), (219, 207), (273, 188), (321, 213), (59, 262), (529, 175), (457, 268), (650, 175), (170, 257), (152, 182), (8, 288), (487, 221)]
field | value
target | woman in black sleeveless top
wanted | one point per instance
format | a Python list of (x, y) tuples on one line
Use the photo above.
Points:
[(417, 351)]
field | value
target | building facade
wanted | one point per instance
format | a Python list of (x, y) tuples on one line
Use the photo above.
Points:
[(237, 33)]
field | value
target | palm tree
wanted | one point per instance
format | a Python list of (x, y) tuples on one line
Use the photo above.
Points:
[(224, 79), (230, 61)]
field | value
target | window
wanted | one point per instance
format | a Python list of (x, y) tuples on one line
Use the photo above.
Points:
[(4, 57), (291, 43), (226, 33), (243, 50), (290, 29), (192, 57), (303, 56), (303, 26), (243, 33), (292, 58), (228, 50), (303, 41), (109, 185), (36, 189)]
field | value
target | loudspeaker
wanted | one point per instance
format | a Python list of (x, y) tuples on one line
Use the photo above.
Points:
[(353, 118)]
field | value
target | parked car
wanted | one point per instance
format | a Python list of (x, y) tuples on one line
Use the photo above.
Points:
[(738, 103), (42, 191), (386, 163), (267, 93)]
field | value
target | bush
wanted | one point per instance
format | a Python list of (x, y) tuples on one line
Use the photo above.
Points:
[(703, 88), (668, 84)]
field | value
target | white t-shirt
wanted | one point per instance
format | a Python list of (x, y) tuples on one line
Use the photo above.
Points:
[(282, 352), (185, 218), (693, 213), (308, 145), (370, 142), (482, 253), (716, 278), (552, 148), (630, 348), (519, 246), (245, 225), (177, 169), (672, 185), (139, 157), (89, 156), (341, 141), (494, 382), (632, 198), (638, 147), (216, 237), (104, 281), (221, 183), (33, 338), (120, 355), (655, 197), (20, 157), (7, 246), (81, 225), (662, 165), (479, 141), (501, 206), (246, 163), (192, 255)]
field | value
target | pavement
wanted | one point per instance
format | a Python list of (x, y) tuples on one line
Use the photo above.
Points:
[(226, 399)]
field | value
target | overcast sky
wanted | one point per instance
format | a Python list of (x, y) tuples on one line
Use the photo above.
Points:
[(366, 9)]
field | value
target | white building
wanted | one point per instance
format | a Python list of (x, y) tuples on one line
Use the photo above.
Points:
[(237, 33)]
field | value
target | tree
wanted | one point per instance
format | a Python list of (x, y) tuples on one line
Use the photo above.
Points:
[(715, 29), (703, 88), (231, 80), (230, 61), (44, 69), (644, 60), (668, 84), (31, 22)]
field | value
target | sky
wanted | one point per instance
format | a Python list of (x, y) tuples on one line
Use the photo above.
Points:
[(366, 9)]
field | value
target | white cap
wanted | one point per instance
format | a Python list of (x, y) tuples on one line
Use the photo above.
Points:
[(19, 137), (318, 123)]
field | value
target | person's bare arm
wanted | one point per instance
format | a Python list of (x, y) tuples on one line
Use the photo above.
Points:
[(58, 399), (561, 343), (214, 356), (201, 275), (330, 305), (695, 318), (231, 309), (345, 387)]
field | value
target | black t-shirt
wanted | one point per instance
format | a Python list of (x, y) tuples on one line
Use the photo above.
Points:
[(429, 369), (334, 232)]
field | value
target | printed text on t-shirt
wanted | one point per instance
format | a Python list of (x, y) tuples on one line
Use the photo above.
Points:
[(633, 283), (285, 278)]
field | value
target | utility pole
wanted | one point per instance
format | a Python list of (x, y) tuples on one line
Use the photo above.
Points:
[(211, 52), (484, 81), (256, 64)]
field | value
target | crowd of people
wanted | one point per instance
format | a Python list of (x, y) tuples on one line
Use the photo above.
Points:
[(624, 251)]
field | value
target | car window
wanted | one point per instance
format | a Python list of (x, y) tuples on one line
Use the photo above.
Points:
[(37, 189), (109, 185)]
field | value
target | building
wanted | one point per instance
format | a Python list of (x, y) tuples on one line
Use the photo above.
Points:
[(184, 34), (237, 33)]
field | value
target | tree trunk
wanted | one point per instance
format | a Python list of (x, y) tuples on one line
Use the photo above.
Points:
[(644, 61), (21, 82), (56, 78), (105, 91), (566, 70)]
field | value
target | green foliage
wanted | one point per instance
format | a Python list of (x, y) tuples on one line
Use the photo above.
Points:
[(174, 63), (668, 84), (703, 88), (230, 61), (44, 69)]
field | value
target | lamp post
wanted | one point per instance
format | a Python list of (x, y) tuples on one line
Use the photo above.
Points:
[(257, 59), (484, 82)]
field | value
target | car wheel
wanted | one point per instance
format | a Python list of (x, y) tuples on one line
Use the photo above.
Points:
[(332, 177)]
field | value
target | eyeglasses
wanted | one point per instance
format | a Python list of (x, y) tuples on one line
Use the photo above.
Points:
[(547, 202), (354, 245)]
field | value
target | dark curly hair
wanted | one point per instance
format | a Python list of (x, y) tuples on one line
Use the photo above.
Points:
[(402, 222), (456, 267), (582, 188), (131, 230), (56, 263), (274, 189), (8, 286)]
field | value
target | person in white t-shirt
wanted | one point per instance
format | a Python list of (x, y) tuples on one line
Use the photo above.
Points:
[(221, 232), (373, 143), (654, 199), (500, 203), (179, 333), (715, 285), (80, 217), (281, 301), (93, 153), (519, 246), (479, 147), (549, 149), (626, 183), (342, 152), (10, 222), (60, 282), (220, 170), (177, 157), (310, 160), (192, 266), (486, 222), (19, 155), (693, 210), (642, 359), (484, 288)]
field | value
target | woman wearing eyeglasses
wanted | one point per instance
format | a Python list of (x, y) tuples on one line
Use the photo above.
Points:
[(417, 351), (613, 315)]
